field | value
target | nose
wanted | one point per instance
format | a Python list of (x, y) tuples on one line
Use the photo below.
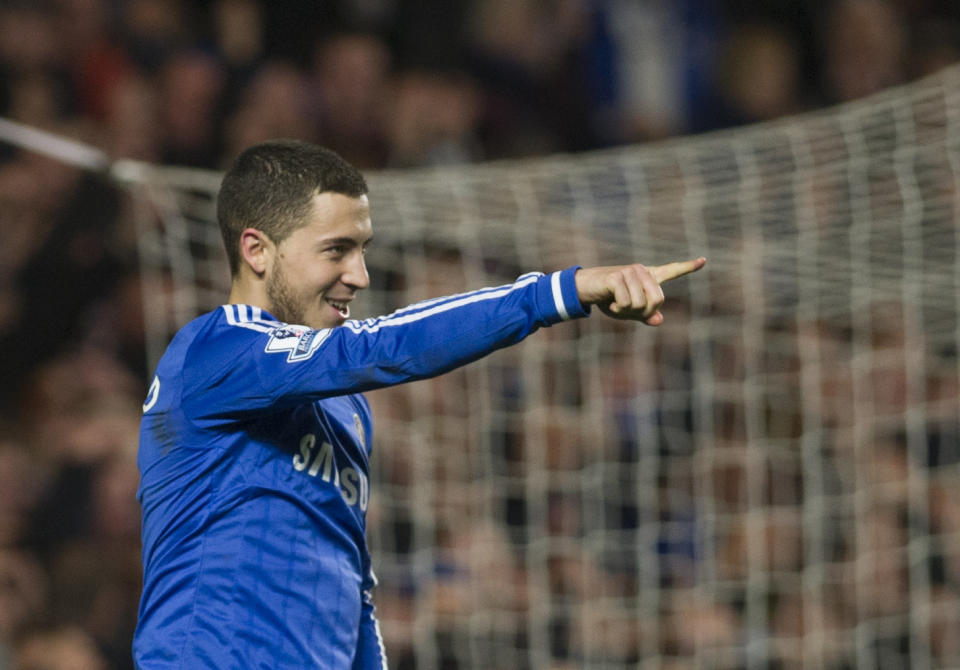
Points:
[(355, 274)]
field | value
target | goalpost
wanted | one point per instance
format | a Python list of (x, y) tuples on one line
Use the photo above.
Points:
[(771, 479)]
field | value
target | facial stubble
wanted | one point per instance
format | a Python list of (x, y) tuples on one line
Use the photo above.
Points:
[(284, 303)]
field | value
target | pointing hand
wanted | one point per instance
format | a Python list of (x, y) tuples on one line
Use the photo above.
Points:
[(631, 291)]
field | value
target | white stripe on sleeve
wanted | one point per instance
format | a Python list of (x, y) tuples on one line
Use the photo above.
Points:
[(402, 317), (558, 296), (237, 316)]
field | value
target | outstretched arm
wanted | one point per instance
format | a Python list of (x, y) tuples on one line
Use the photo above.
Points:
[(281, 364), (631, 291)]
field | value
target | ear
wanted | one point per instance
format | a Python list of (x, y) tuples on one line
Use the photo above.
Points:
[(255, 250)]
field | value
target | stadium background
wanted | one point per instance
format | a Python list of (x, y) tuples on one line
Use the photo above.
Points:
[(391, 85)]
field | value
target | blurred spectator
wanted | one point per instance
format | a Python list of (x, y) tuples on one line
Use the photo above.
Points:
[(132, 128), (759, 75), (95, 587), (528, 59), (864, 44), (66, 648), (238, 37), (434, 121), (64, 264), (648, 46), (349, 83), (191, 86), (115, 325), (152, 31), (29, 40), (274, 104), (23, 598), (695, 623), (96, 62), (21, 479), (36, 98), (81, 420)]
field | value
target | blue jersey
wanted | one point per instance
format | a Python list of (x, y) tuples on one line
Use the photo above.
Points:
[(254, 463)]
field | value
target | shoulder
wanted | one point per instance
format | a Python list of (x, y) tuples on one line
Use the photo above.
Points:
[(220, 336), (229, 326), (243, 319)]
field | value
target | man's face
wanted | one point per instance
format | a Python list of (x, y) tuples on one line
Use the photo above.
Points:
[(319, 268)]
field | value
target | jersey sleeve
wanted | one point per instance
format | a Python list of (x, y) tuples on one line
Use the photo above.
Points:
[(281, 364)]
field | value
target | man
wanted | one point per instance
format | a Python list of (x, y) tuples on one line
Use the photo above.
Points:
[(255, 440)]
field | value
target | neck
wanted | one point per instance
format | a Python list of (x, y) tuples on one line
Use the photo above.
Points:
[(246, 292)]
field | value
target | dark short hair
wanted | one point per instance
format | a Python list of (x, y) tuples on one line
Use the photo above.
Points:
[(271, 186)]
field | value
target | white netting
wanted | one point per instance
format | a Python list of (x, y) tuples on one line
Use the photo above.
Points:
[(769, 480)]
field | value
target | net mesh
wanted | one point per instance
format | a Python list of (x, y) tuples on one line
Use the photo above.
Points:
[(768, 480)]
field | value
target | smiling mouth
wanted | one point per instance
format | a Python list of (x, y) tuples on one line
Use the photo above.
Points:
[(341, 306)]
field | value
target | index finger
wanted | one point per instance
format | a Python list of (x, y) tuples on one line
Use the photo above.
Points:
[(670, 271)]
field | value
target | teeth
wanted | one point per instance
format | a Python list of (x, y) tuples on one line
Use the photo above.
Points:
[(342, 307)]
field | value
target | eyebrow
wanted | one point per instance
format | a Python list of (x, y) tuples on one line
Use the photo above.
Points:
[(344, 241)]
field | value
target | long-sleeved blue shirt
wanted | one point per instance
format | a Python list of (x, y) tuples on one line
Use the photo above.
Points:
[(254, 461)]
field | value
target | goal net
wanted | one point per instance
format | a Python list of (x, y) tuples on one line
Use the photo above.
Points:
[(768, 480)]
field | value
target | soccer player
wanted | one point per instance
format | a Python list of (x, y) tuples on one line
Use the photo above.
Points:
[(255, 440)]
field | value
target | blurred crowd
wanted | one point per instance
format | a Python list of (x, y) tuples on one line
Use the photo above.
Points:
[(389, 84), (398, 83), (604, 532)]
